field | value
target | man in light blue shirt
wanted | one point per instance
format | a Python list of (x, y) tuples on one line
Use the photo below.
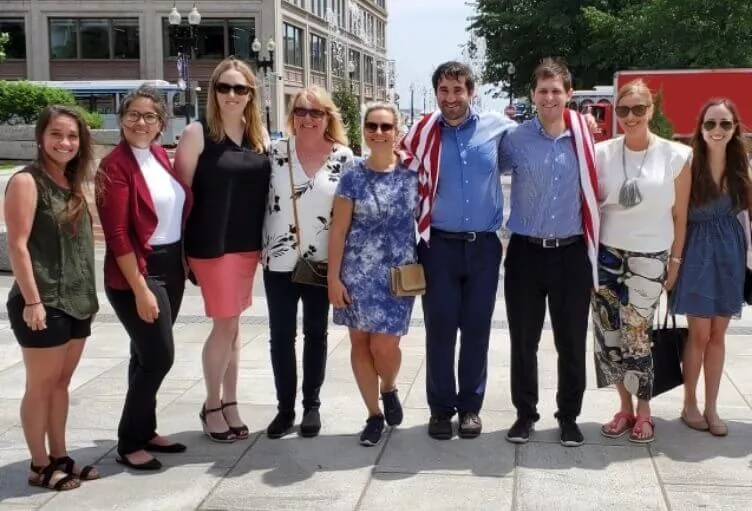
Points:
[(464, 255)]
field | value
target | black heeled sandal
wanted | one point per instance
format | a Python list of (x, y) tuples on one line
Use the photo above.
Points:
[(241, 432), (225, 437)]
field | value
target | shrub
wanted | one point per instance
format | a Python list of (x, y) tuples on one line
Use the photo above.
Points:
[(21, 102), (660, 125), (347, 102), (94, 120)]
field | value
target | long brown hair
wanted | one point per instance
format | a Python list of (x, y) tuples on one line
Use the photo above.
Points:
[(77, 170), (735, 177), (254, 128)]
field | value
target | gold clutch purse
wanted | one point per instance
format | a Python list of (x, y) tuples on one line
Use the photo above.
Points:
[(408, 280)]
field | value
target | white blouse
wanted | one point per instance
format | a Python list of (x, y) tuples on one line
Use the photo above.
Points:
[(315, 202), (648, 226), (166, 194)]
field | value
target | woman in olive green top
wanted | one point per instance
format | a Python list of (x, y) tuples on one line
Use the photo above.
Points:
[(54, 299)]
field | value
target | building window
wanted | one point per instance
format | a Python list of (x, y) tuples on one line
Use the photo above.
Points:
[(16, 47), (355, 59), (368, 69), (318, 7), (94, 38), (293, 45), (215, 38), (318, 53)]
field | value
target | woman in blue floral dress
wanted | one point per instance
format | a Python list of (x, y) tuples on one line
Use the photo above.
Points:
[(373, 230)]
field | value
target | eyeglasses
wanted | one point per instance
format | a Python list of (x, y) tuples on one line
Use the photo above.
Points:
[(637, 110), (711, 124), (133, 117), (238, 89), (313, 112), (373, 126)]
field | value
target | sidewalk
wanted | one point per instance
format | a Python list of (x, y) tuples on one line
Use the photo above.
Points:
[(682, 470)]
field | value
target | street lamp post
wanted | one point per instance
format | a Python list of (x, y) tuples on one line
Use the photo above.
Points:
[(510, 72), (412, 104), (267, 66), (351, 74), (186, 45)]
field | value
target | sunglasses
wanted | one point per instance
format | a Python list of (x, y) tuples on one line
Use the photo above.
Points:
[(132, 117), (725, 125), (238, 89), (313, 112), (372, 127), (637, 110)]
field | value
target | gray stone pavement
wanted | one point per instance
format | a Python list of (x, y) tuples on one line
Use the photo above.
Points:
[(682, 470)]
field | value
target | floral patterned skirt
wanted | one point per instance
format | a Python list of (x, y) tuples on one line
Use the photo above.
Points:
[(623, 310)]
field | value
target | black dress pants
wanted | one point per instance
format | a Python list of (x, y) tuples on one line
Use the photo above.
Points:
[(532, 275), (152, 345)]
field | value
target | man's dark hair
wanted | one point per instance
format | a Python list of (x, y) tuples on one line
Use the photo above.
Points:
[(551, 68), (454, 70)]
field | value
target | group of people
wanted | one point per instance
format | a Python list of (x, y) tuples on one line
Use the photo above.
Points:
[(602, 227)]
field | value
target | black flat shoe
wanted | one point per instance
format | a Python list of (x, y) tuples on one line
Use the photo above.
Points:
[(152, 464), (167, 449)]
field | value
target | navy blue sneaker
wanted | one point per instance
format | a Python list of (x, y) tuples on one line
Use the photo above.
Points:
[(371, 434), (392, 408)]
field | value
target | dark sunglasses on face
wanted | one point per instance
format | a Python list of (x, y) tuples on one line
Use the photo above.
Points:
[(373, 126), (148, 117), (637, 110), (313, 112), (238, 89), (711, 124)]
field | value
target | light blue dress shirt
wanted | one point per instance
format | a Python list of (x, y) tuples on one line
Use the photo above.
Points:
[(545, 199), (468, 197)]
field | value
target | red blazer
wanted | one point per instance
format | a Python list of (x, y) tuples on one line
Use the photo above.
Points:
[(126, 210)]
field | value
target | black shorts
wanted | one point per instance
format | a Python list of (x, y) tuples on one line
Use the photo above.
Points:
[(61, 327)]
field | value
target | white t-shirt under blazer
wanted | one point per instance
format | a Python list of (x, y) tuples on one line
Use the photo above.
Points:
[(166, 194), (315, 202), (649, 226)]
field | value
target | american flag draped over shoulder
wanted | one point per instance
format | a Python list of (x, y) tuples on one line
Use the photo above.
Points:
[(584, 148), (420, 150)]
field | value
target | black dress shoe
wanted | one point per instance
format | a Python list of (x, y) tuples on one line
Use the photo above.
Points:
[(152, 464), (311, 424), (470, 425), (281, 425), (440, 426), (173, 448)]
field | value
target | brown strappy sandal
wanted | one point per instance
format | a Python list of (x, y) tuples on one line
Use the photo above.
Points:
[(67, 465), (52, 478)]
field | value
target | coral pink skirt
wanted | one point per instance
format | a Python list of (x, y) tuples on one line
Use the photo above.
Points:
[(226, 282)]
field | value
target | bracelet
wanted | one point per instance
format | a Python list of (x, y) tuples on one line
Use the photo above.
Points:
[(31, 304), (676, 260)]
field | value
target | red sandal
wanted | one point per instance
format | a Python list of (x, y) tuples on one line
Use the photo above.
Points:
[(609, 430), (636, 434)]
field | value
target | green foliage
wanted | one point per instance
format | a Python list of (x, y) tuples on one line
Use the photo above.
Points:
[(599, 37), (659, 124), (4, 40), (21, 102), (347, 102), (94, 120)]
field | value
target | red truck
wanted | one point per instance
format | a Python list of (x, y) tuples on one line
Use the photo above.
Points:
[(683, 93)]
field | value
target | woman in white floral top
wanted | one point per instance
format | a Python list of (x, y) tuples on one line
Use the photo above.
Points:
[(316, 154)]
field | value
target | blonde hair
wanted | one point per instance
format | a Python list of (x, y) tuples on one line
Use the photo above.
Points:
[(254, 128), (638, 87), (335, 129), (389, 107)]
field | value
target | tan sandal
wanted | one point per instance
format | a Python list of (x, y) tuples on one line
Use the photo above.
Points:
[(610, 430), (52, 478), (700, 424), (717, 427)]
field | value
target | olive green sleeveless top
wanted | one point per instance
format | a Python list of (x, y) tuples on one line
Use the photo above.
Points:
[(62, 258)]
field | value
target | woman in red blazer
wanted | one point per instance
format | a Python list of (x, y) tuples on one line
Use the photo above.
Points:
[(142, 206)]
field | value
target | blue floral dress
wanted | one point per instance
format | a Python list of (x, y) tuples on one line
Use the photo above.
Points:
[(711, 276), (382, 235)]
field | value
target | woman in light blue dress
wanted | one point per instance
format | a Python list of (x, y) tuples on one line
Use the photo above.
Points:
[(373, 230), (710, 284)]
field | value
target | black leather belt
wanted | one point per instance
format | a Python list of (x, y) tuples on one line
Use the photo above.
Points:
[(461, 236), (552, 242)]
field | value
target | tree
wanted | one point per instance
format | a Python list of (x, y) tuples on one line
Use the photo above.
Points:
[(659, 124), (347, 102), (4, 39)]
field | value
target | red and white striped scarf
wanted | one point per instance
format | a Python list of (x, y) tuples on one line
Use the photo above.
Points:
[(420, 150)]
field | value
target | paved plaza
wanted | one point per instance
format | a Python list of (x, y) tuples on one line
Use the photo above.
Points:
[(682, 470)]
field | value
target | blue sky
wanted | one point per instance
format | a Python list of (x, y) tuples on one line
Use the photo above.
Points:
[(423, 34)]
